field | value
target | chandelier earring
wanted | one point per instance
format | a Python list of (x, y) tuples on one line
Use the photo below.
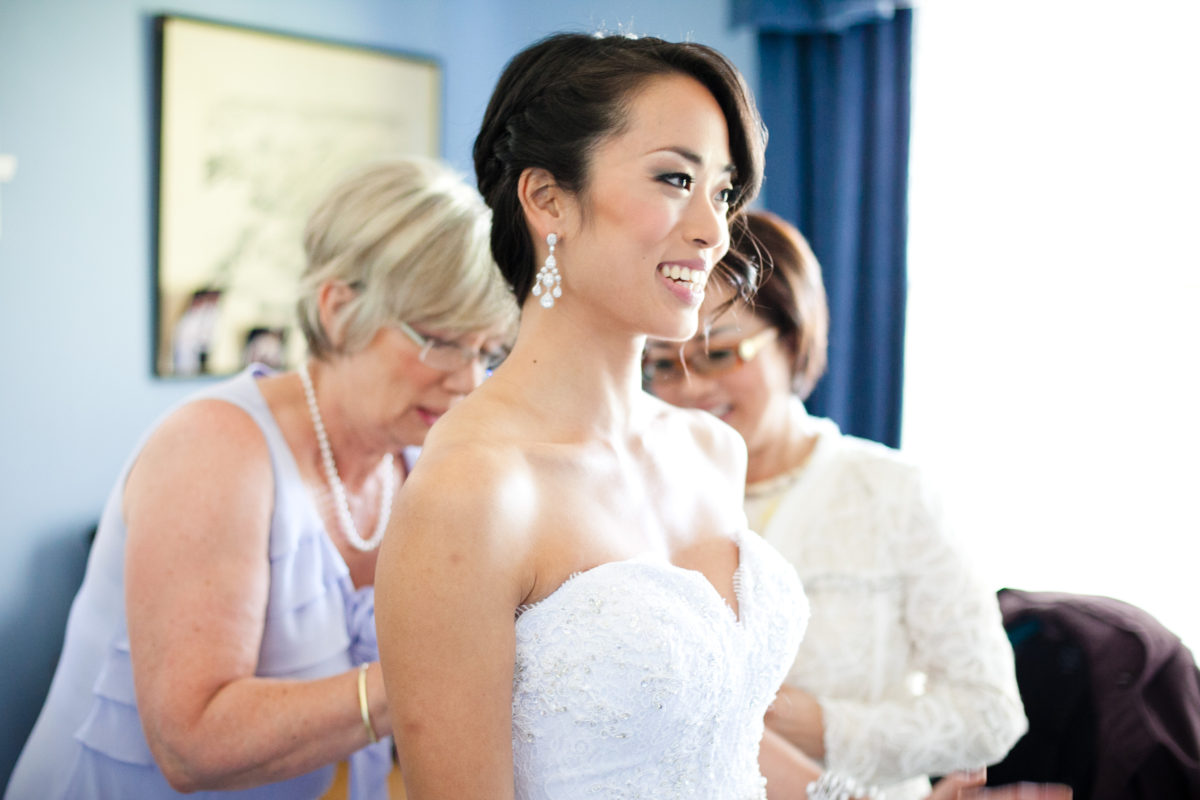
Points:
[(547, 284)]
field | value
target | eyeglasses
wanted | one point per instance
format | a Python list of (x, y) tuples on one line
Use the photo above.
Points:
[(709, 361), (451, 356)]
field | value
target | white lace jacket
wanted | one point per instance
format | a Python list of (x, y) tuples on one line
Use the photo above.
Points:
[(905, 649)]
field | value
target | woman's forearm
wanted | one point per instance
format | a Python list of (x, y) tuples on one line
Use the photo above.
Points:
[(788, 770), (256, 731), (797, 717)]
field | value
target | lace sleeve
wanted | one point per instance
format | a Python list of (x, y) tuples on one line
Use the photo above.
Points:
[(970, 712)]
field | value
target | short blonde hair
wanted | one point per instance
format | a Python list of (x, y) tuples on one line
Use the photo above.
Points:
[(413, 240)]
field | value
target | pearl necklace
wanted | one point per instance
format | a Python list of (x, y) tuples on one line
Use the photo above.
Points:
[(341, 506)]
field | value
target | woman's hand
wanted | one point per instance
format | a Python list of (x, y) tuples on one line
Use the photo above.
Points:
[(797, 717), (789, 771), (969, 786), (953, 786), (1021, 791)]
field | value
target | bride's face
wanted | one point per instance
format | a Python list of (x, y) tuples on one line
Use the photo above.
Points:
[(653, 216)]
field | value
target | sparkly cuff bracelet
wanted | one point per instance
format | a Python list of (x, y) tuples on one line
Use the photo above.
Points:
[(831, 786)]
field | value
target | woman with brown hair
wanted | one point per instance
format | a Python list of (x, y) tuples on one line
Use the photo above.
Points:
[(905, 670)]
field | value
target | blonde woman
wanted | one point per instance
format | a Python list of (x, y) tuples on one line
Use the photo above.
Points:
[(224, 638)]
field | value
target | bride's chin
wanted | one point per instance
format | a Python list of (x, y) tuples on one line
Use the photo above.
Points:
[(684, 329)]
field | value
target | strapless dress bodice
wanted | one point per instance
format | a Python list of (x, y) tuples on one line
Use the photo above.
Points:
[(635, 679)]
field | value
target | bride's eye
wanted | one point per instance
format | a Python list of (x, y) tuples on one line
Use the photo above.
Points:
[(680, 180)]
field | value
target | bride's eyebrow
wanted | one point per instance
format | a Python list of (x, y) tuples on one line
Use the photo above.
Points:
[(690, 156)]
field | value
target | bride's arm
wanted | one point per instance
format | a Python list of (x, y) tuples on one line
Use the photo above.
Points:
[(447, 582)]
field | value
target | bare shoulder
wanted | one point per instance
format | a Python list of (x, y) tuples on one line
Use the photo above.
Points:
[(693, 443), (213, 420), (704, 437), (466, 510), (481, 485), (472, 456), (212, 440)]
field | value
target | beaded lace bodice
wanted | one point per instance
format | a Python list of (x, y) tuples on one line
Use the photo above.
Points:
[(635, 679)]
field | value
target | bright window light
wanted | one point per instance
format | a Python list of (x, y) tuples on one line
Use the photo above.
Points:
[(1053, 346)]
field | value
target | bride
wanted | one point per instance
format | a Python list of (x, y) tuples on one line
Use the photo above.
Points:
[(567, 605)]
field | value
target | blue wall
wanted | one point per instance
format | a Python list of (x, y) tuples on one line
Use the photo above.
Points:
[(75, 247)]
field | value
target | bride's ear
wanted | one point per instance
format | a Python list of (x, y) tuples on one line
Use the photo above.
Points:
[(548, 207)]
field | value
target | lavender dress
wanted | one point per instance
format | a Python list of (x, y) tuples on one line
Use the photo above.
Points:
[(88, 740)]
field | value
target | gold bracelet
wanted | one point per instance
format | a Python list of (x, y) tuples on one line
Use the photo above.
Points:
[(362, 702)]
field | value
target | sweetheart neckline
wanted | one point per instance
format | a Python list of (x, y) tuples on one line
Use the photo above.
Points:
[(651, 558)]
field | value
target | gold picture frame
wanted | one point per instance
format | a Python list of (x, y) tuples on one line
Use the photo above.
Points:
[(253, 127)]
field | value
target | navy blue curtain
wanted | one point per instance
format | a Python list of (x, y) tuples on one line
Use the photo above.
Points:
[(835, 95)]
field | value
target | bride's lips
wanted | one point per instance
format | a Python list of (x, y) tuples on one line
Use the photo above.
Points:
[(685, 279)]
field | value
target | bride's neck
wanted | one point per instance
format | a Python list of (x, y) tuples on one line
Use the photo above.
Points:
[(585, 381)]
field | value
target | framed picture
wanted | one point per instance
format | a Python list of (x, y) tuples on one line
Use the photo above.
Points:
[(254, 127)]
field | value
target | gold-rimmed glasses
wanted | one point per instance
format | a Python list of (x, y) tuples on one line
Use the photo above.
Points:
[(659, 368)]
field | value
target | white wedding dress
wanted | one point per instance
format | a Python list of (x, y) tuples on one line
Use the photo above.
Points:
[(635, 679)]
